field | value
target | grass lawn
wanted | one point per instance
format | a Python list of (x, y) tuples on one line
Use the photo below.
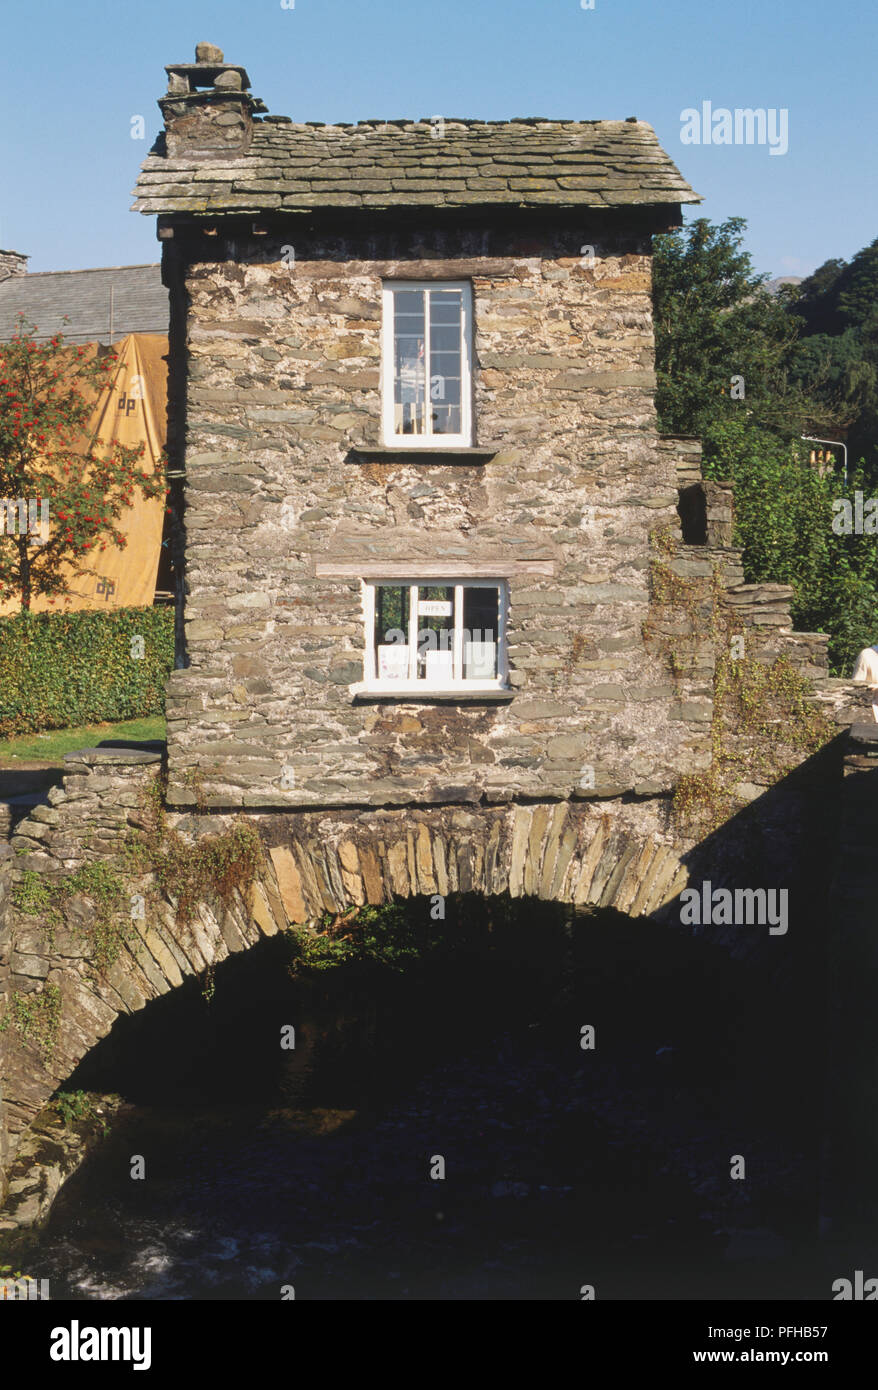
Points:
[(51, 747)]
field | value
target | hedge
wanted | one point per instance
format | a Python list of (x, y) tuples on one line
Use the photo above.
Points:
[(58, 670)]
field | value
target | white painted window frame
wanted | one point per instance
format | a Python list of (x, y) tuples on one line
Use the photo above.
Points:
[(464, 439), (373, 684)]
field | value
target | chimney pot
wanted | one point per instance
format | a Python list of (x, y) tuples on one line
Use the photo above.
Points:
[(208, 109)]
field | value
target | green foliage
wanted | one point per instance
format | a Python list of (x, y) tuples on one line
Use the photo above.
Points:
[(32, 894), (211, 868), (8, 1272), (393, 936), (62, 669), (783, 507), (112, 924), (36, 1018), (842, 382), (101, 884), (836, 358), (764, 717), (840, 295), (784, 524), (672, 596), (770, 704), (73, 1105), (714, 321)]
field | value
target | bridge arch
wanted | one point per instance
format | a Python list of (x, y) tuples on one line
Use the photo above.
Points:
[(606, 854)]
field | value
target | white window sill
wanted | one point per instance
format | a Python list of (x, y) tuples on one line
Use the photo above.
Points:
[(485, 691), (439, 447)]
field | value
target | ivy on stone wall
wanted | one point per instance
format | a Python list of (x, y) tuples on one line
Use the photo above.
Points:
[(764, 718), (764, 723), (208, 869), (109, 924), (36, 1017)]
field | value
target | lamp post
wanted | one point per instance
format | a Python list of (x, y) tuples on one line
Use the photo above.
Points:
[(836, 443)]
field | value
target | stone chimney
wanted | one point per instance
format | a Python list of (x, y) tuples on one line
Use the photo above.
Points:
[(208, 109), (12, 263)]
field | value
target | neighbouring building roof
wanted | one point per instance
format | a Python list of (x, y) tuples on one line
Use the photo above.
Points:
[(393, 164), (138, 302)]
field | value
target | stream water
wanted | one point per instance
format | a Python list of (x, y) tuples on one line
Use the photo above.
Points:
[(317, 1170)]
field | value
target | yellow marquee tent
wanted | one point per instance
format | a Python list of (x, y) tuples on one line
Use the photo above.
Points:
[(130, 408)]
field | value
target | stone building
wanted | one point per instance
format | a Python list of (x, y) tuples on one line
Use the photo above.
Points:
[(411, 392)]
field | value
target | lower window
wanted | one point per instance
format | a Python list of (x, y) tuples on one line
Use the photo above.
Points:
[(444, 636)]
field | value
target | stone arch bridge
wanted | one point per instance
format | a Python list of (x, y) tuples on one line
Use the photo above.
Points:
[(584, 853), (621, 853)]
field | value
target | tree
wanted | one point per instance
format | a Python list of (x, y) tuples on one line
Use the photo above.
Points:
[(837, 355), (816, 301), (47, 395), (842, 382), (715, 322)]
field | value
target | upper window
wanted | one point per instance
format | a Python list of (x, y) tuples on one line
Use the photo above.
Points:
[(440, 636), (427, 351)]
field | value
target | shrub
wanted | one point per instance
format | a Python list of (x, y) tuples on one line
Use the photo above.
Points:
[(62, 669)]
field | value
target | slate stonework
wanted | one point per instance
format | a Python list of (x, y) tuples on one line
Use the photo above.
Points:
[(283, 385)]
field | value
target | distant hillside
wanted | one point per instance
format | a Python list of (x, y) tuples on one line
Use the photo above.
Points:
[(774, 285)]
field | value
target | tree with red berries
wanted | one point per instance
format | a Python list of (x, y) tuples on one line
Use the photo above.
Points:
[(48, 392)]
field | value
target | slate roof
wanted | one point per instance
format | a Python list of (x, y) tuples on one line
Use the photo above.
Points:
[(140, 302), (393, 164)]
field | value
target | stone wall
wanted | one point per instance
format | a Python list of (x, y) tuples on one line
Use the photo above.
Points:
[(283, 517), (86, 820)]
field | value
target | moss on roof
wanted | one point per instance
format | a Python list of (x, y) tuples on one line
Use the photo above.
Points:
[(431, 163)]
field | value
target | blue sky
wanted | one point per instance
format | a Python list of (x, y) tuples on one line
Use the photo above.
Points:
[(72, 76)]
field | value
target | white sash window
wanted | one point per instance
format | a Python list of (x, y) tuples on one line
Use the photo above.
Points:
[(426, 363), (440, 636)]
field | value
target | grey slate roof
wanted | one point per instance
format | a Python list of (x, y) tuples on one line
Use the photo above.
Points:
[(377, 164), (140, 302)]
